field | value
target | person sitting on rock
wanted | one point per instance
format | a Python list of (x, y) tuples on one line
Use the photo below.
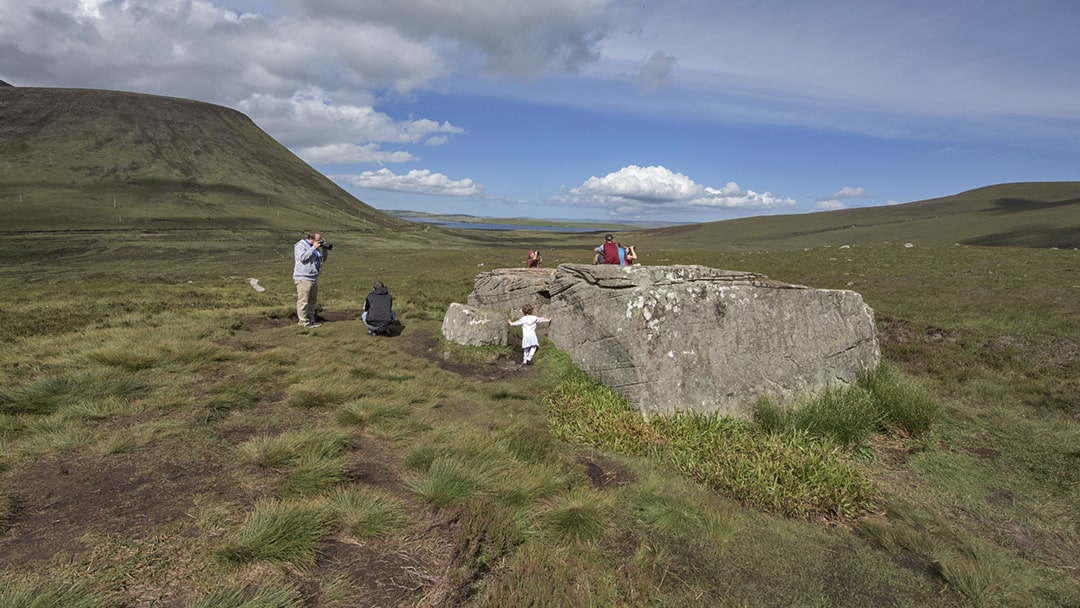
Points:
[(534, 259), (607, 253), (378, 312)]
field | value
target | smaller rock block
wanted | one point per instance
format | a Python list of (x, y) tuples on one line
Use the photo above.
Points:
[(471, 326)]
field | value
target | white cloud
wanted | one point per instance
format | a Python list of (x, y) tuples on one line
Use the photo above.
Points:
[(414, 182), (311, 118), (829, 205), (837, 199), (645, 189), (847, 192), (346, 154)]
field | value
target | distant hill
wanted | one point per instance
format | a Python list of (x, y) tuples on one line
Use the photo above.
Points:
[(1033, 214), (81, 159), (75, 159)]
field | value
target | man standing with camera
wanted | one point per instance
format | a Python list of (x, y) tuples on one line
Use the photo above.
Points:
[(309, 253)]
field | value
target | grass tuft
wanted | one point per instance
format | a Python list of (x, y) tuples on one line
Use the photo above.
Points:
[(903, 403), (313, 459), (313, 476), (279, 531), (53, 392), (447, 482), (579, 515), (229, 396), (50, 595), (262, 596), (669, 514), (527, 442), (365, 413), (846, 416), (368, 513)]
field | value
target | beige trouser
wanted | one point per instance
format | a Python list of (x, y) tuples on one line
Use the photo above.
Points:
[(307, 292)]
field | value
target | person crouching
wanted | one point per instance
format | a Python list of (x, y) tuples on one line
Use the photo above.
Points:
[(378, 312)]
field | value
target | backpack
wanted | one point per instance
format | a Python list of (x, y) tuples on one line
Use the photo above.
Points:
[(610, 253)]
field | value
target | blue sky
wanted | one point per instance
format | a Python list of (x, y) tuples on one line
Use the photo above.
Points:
[(673, 111)]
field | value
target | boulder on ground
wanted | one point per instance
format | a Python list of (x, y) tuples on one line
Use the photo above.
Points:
[(692, 338), (683, 338), (473, 326)]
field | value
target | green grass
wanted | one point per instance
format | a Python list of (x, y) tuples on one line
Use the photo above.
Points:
[(369, 513), (279, 531), (53, 392), (882, 401), (263, 596), (51, 594), (795, 470), (291, 456), (578, 516)]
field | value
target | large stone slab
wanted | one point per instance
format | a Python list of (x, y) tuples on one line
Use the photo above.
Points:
[(692, 338)]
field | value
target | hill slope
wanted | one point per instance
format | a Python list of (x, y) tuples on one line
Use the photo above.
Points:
[(88, 159), (78, 159), (1036, 214)]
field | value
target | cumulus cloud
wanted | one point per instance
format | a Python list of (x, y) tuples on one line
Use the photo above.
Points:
[(417, 181), (321, 131), (644, 189), (309, 117), (656, 73)]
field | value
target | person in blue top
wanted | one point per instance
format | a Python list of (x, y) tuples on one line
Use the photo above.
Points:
[(309, 253)]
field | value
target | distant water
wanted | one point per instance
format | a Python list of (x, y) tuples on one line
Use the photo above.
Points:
[(485, 226)]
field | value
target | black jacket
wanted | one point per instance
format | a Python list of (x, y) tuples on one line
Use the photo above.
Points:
[(379, 306)]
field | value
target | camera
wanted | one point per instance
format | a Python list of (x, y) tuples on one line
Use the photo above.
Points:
[(323, 243)]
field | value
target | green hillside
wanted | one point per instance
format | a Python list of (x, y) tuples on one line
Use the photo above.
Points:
[(80, 159), (86, 159), (1037, 214)]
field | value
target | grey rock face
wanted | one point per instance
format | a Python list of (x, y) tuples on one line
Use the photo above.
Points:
[(506, 290), (474, 327), (691, 338), (683, 338)]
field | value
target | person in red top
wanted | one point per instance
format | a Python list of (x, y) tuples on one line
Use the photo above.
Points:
[(534, 259), (608, 253)]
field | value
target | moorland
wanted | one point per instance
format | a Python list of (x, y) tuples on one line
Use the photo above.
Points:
[(169, 437)]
